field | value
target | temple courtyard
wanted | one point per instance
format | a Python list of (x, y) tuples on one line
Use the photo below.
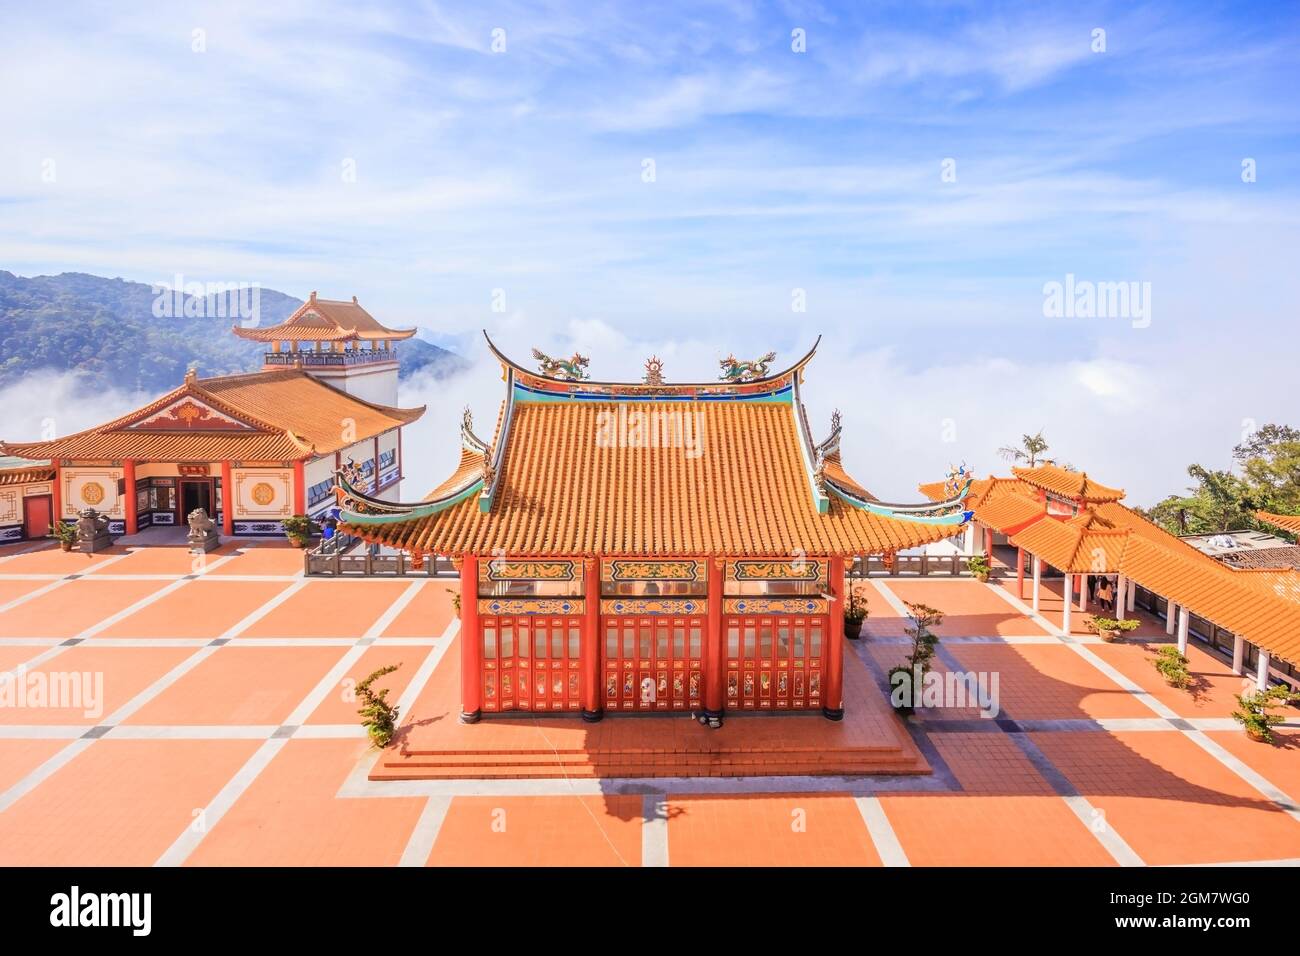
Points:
[(216, 726)]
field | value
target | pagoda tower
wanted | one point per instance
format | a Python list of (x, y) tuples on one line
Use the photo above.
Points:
[(337, 342)]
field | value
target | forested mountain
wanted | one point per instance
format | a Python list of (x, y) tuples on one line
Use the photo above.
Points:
[(110, 332)]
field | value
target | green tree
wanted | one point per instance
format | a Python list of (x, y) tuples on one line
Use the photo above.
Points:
[(1029, 451)]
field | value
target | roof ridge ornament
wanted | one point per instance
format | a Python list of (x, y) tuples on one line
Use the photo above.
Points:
[(654, 371), (734, 370), (570, 370)]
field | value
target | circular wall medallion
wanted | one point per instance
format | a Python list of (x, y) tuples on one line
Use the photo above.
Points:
[(92, 493), (263, 494)]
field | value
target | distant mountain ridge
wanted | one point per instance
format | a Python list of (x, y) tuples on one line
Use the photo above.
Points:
[(108, 332)]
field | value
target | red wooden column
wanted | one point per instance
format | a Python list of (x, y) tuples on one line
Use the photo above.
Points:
[(56, 491), (714, 662), (471, 643), (227, 501), (299, 487), (1020, 573), (589, 651), (128, 506), (833, 662)]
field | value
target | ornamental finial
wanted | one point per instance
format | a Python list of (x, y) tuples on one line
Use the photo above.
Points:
[(734, 370), (654, 371), (572, 370)]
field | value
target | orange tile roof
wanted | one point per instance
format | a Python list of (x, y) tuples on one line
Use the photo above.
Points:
[(1288, 523), (1084, 544), (325, 320), (280, 415), (19, 471), (1075, 485)]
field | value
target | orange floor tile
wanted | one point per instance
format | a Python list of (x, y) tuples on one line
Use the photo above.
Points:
[(101, 678), (540, 831), (264, 557), (197, 609), (73, 607), (1279, 761), (1048, 682), (742, 830), (428, 614), (55, 561), (1170, 801), (176, 559), (1214, 684), (970, 609), (13, 590), (329, 609), (118, 803), (241, 685), (340, 705), (290, 816), (20, 757)]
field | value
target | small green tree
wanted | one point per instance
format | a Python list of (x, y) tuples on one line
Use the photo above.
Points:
[(1255, 713), (379, 716), (923, 618), (1029, 451), (1172, 666)]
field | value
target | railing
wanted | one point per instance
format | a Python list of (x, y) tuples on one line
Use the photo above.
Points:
[(911, 564), (340, 562), (322, 359)]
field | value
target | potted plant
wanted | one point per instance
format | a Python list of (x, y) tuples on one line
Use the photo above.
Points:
[(1255, 710), (1107, 628), (1172, 665), (979, 567), (299, 530), (855, 612), (65, 534), (904, 689), (380, 717)]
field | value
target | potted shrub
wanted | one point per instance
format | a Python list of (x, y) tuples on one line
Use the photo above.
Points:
[(979, 567), (299, 530), (380, 717), (1107, 628), (65, 534), (855, 612), (1173, 667), (904, 692), (1255, 714)]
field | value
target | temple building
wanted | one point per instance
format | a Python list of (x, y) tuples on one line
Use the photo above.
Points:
[(632, 547), (250, 449)]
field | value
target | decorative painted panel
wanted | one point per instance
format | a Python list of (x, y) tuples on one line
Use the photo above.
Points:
[(189, 414), (9, 510), (504, 569), (794, 605), (43, 488), (809, 569), (262, 494), (653, 606), (636, 570), (531, 606), (91, 488)]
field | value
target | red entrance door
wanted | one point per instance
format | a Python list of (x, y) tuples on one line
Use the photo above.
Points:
[(37, 515), (653, 662), (531, 662), (774, 662)]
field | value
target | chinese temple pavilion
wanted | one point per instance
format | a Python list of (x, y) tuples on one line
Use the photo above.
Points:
[(649, 546), (250, 449)]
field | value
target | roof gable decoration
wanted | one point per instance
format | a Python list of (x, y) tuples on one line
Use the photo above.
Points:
[(189, 413)]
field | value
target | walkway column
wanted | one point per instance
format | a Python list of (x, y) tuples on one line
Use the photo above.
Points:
[(1068, 603), (968, 545), (589, 653), (1183, 620), (1083, 592), (1020, 573), (1038, 580), (471, 643), (128, 505), (1171, 609), (299, 488), (1121, 597), (833, 662), (1238, 653), (227, 501), (56, 492), (1261, 671), (715, 664), (1131, 597)]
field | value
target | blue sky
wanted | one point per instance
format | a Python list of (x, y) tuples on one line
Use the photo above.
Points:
[(522, 170)]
